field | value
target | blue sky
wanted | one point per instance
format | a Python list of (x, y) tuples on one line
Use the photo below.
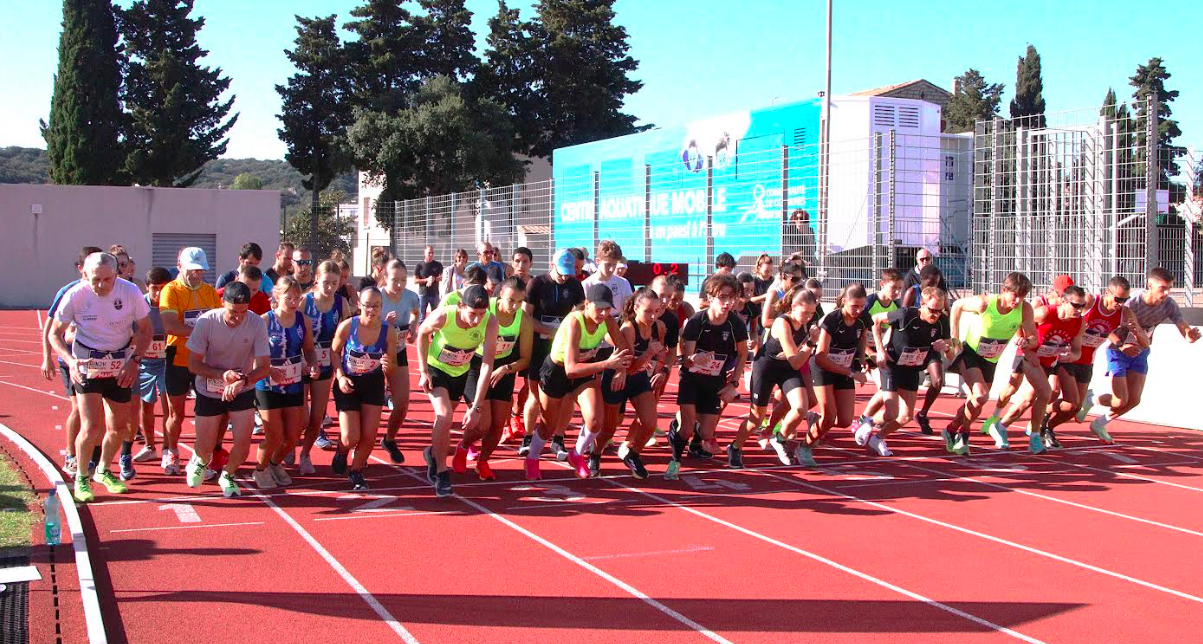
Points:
[(704, 57)]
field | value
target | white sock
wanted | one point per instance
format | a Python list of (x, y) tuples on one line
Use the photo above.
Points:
[(585, 441), (536, 446)]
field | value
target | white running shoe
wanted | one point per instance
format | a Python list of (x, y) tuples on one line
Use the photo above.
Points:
[(145, 454), (306, 466), (623, 450), (290, 459), (279, 475), (1087, 405), (70, 466), (812, 418), (264, 480), (173, 462), (779, 446), (873, 444), (881, 448), (863, 433)]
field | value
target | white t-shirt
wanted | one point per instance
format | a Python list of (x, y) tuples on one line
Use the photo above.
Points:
[(619, 287), (103, 323), (224, 348)]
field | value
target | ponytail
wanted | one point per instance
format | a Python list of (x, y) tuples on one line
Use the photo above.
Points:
[(628, 309)]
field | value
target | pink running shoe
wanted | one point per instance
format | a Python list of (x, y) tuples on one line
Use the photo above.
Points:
[(580, 463), (532, 470), (473, 453), (459, 462)]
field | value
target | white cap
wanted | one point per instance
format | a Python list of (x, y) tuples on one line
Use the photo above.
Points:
[(193, 259)]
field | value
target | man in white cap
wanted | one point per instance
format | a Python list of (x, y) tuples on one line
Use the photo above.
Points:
[(180, 304), (103, 360)]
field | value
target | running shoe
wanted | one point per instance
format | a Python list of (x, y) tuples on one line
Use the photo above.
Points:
[(264, 480), (394, 452), (881, 448), (306, 467), (812, 418), (484, 471), (673, 425), (196, 472), (659, 432), (863, 432), (175, 462), (432, 470), (110, 482), (1087, 405), (1099, 427), (258, 430), (1050, 438), (999, 433), (532, 469), (338, 464), (279, 475), (762, 438), (517, 427), (672, 473), (631, 459), (322, 441), (389, 402), (459, 461), (83, 490), (805, 455), (557, 447), (473, 453), (949, 441), (676, 442), (779, 446), (735, 457), (229, 487), (651, 441), (357, 481), (507, 431), (697, 448), (70, 466), (961, 445), (594, 465), (924, 424), (1035, 444), (127, 467), (326, 422), (524, 449), (442, 486), (91, 469), (990, 422), (579, 464), (148, 453), (138, 437), (290, 458)]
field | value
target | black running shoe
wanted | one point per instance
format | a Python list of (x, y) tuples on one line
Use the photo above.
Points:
[(595, 465), (525, 448), (394, 452), (635, 464), (1050, 438), (696, 439), (357, 481), (735, 457), (558, 448), (673, 425), (924, 424), (678, 444), (697, 451), (442, 484), (339, 463), (431, 470)]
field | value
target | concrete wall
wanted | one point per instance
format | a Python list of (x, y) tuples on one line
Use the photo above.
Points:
[(39, 250)]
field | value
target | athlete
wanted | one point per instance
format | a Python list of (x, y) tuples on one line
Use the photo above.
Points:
[(228, 351), (254, 279), (669, 289), (446, 344), (1128, 359), (714, 345), (401, 309), (515, 427), (325, 308), (570, 375), (283, 262), (843, 336), (362, 352), (103, 361), (514, 338), (250, 255), (929, 275), (609, 254), (152, 371), (884, 300)]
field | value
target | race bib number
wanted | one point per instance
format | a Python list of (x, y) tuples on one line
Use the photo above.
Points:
[(322, 351), (913, 357), (1049, 350), (158, 348), (217, 385), (291, 368), (551, 321), (190, 317), (708, 364), (504, 346), (104, 367), (455, 357), (842, 357), (1093, 340), (987, 348), (361, 363)]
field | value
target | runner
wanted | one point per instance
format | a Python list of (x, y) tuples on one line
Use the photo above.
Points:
[(609, 254), (764, 278), (474, 275), (789, 276), (126, 266), (401, 308), (843, 335), (250, 255), (325, 308), (514, 340), (1059, 332), (714, 345), (783, 363), (428, 275), (669, 289), (302, 268), (549, 299), (362, 352), (884, 300), (998, 319), (228, 351), (181, 303), (520, 265), (914, 333), (446, 344), (345, 288), (103, 361), (928, 276), (1128, 359), (152, 371), (283, 262), (570, 375), (280, 397), (253, 278)]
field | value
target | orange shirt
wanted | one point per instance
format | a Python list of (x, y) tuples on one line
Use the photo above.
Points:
[(186, 304)]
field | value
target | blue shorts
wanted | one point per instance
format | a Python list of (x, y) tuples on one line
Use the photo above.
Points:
[(1120, 363), (152, 381)]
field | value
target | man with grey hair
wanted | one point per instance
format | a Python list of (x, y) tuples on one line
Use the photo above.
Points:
[(103, 360)]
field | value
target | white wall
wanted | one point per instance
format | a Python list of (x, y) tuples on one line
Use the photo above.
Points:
[(39, 250)]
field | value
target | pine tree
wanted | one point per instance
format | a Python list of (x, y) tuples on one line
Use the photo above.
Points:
[(448, 44), (1028, 103), (505, 74), (974, 100), (174, 101), (315, 108), (83, 137), (385, 60), (1150, 80)]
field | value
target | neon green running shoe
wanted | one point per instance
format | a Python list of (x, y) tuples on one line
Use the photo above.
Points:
[(990, 422), (83, 490), (110, 482), (948, 440)]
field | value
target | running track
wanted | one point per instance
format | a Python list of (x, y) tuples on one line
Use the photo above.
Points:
[(1086, 544)]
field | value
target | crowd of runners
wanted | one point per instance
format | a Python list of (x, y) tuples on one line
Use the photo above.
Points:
[(265, 351)]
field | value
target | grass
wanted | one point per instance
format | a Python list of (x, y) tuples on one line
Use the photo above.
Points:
[(17, 500)]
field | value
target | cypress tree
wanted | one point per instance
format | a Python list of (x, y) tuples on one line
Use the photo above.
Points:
[(1150, 80), (1028, 103)]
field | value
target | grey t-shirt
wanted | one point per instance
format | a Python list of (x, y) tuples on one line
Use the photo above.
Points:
[(1149, 316), (226, 348)]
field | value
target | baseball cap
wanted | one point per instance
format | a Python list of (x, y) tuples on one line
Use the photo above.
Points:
[(193, 259), (236, 293), (1062, 282), (475, 297), (565, 263), (600, 295)]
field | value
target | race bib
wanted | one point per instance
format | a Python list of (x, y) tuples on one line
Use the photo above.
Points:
[(551, 321), (292, 370), (504, 346), (104, 367), (711, 366), (651, 367), (322, 351), (360, 363), (1093, 340), (1049, 350), (157, 349), (988, 348), (913, 357), (842, 357), (456, 357), (190, 317), (217, 386)]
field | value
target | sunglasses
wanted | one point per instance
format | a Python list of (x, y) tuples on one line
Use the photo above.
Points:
[(1121, 300), (1078, 305), (303, 262), (931, 310)]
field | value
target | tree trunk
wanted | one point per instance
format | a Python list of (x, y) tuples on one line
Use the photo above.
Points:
[(313, 215)]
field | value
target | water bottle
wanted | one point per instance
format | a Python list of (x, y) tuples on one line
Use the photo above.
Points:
[(53, 526)]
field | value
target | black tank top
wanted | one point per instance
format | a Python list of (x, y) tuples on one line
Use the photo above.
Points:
[(641, 343), (772, 346)]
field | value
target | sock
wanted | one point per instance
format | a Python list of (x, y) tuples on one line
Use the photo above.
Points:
[(585, 441), (536, 446), (126, 447)]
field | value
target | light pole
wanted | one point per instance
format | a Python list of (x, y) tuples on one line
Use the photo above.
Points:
[(825, 157)]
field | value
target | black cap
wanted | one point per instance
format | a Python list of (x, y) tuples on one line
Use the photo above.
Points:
[(475, 297), (600, 294), (236, 293)]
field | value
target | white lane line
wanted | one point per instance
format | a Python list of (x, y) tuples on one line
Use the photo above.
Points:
[(629, 589), (21, 364), (189, 527), (982, 535), (554, 506), (385, 514), (650, 553), (838, 566)]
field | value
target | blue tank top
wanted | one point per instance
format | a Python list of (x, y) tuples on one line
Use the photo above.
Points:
[(323, 324), (284, 345), (360, 360)]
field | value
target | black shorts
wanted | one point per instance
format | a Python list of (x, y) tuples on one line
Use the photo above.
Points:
[(368, 389), (555, 382), (402, 357), (768, 373), (701, 392), (265, 399), (539, 351), (637, 384), (895, 378), (969, 359), (206, 406), (179, 379), (65, 372), (454, 385), (106, 387), (1080, 372), (935, 357), (503, 390), (824, 378)]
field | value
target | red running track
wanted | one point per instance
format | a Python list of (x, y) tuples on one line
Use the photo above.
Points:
[(1089, 543)]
